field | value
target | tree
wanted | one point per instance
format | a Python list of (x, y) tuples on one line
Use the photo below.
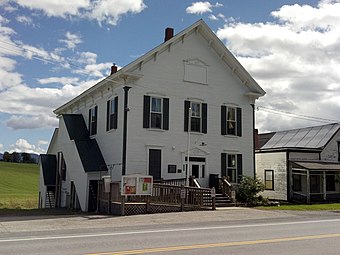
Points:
[(248, 189), (7, 156), (15, 157), (26, 157)]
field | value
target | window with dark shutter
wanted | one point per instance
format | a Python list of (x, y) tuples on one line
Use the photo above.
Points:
[(198, 117), (156, 113), (112, 114), (231, 120), (239, 167), (93, 112), (223, 164)]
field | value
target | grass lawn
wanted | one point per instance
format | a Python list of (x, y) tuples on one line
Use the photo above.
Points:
[(18, 185), (296, 207)]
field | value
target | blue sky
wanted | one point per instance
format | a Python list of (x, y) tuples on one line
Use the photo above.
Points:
[(50, 51)]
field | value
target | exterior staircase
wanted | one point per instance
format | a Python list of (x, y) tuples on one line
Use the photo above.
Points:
[(50, 200), (223, 200)]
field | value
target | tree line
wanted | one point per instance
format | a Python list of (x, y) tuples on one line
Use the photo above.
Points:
[(17, 157)]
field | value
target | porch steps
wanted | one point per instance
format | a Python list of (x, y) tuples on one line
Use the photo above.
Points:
[(50, 200), (223, 200)]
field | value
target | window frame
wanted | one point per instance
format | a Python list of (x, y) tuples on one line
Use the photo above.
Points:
[(155, 113), (232, 169), (93, 119), (112, 116), (196, 117), (269, 181)]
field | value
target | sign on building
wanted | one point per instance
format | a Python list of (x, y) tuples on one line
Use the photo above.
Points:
[(136, 185)]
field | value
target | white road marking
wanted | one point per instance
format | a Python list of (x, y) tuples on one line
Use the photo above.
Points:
[(163, 231)]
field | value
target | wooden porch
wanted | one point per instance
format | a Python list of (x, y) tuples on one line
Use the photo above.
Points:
[(167, 196)]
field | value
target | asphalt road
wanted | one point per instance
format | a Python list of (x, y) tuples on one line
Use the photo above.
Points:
[(230, 231)]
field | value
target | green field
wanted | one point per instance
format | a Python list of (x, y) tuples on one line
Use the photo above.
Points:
[(304, 207), (18, 185)]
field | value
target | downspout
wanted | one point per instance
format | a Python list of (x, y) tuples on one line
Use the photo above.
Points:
[(126, 109), (253, 106)]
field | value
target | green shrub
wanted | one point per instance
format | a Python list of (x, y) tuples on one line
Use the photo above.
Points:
[(248, 189)]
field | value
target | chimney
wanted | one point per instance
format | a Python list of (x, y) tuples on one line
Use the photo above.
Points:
[(113, 69), (169, 33)]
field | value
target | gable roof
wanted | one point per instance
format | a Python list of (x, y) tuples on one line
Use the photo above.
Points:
[(214, 42), (303, 138)]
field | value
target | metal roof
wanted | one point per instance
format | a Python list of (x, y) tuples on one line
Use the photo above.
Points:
[(318, 165), (307, 138)]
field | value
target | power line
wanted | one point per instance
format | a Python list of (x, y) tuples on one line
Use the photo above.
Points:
[(296, 115)]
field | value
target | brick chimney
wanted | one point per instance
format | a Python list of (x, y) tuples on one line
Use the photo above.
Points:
[(113, 69), (169, 33)]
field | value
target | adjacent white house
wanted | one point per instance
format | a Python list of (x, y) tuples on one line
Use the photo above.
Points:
[(300, 164), (188, 96)]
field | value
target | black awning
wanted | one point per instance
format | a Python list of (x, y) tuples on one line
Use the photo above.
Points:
[(49, 168), (90, 155), (76, 126)]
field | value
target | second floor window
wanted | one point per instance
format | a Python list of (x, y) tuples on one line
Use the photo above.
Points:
[(198, 116), (93, 112), (231, 120), (112, 114), (156, 112)]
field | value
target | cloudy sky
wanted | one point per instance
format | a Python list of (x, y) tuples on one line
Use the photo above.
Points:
[(50, 51)]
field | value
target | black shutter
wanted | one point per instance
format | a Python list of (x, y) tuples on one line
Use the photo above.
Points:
[(204, 118), (90, 121), (166, 113), (146, 112), (186, 115), (115, 120), (223, 164), (239, 121), (108, 115), (223, 120), (239, 167)]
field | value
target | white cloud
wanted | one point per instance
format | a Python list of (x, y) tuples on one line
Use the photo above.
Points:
[(71, 40), (22, 145), (103, 11), (43, 142), (61, 8), (199, 8), (1, 146), (202, 7), (61, 80), (31, 122), (110, 11), (27, 21), (295, 60)]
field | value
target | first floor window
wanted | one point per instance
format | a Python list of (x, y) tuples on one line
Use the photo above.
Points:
[(112, 114), (297, 182), (269, 179), (61, 166), (232, 167), (93, 112), (330, 182)]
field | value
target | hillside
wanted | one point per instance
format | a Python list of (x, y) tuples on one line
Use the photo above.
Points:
[(18, 185)]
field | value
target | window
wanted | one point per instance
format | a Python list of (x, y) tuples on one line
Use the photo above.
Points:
[(231, 166), (330, 182), (297, 182), (195, 119), (112, 114), (339, 151), (61, 166), (314, 183), (269, 179), (93, 112), (156, 113), (231, 120), (198, 117)]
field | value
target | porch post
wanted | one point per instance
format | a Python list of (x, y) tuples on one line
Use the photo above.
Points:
[(308, 187), (324, 185)]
